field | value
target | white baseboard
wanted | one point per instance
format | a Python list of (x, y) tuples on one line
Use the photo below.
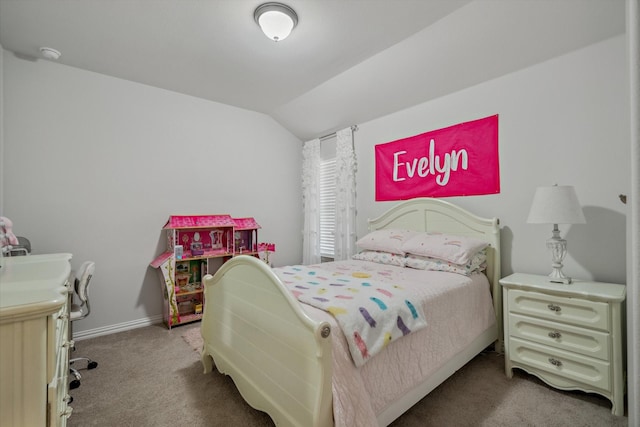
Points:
[(120, 327)]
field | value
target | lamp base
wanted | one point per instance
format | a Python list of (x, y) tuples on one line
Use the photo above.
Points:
[(558, 248), (554, 279)]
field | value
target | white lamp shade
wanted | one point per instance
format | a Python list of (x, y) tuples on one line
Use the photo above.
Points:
[(556, 204), (276, 20)]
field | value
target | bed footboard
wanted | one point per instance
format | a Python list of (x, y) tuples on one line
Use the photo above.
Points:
[(257, 333)]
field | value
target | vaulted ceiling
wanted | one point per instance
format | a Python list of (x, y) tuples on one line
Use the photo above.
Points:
[(347, 61)]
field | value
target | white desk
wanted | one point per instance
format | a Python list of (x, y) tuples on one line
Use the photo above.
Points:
[(34, 343)]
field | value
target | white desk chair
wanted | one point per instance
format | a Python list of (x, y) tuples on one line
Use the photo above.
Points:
[(79, 311), (22, 248)]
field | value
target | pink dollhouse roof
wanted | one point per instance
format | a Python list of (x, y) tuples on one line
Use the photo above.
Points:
[(199, 221), (160, 259), (245, 223)]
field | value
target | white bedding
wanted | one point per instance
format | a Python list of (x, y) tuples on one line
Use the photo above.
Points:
[(457, 309)]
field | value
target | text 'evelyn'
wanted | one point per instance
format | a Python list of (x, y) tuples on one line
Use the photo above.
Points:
[(436, 165)]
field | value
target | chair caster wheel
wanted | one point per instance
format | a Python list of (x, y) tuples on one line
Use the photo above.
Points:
[(92, 365), (74, 384)]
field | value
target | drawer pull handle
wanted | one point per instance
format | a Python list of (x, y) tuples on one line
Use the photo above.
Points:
[(555, 334), (555, 362), (554, 307)]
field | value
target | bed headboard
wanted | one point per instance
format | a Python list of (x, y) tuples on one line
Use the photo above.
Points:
[(426, 214)]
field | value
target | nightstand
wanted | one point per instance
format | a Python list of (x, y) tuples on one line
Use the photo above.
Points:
[(570, 336)]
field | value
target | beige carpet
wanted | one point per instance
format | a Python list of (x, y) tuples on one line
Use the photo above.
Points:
[(193, 338), (152, 376)]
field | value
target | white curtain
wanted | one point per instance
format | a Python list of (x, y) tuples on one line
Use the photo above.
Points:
[(346, 166), (311, 202)]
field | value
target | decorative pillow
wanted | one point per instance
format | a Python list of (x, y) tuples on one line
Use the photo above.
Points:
[(381, 258), (455, 249), (477, 263), (389, 240)]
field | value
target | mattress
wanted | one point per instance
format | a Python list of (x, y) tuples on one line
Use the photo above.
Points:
[(457, 309)]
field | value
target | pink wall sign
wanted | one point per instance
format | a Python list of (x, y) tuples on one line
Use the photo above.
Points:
[(460, 160)]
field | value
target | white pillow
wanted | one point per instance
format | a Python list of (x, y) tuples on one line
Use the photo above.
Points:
[(386, 240), (381, 258), (455, 249), (476, 264)]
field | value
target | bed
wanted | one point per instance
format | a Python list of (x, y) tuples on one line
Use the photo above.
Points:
[(289, 359)]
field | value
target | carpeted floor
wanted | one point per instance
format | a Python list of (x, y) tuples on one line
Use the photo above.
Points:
[(152, 376)]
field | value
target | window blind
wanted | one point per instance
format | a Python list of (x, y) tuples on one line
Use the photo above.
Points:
[(327, 207)]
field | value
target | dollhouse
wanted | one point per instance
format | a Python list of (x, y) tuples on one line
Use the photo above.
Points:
[(198, 245)]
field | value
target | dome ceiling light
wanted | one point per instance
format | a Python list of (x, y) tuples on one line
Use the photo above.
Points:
[(276, 20), (50, 53)]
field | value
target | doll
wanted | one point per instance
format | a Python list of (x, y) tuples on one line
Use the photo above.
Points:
[(6, 226)]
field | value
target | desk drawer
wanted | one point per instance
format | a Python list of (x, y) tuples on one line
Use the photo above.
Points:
[(565, 337), (575, 311), (571, 366)]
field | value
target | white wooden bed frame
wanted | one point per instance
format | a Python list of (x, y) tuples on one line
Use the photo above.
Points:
[(280, 359)]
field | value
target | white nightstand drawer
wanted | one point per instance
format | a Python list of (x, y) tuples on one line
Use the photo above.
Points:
[(566, 337), (582, 369), (560, 309)]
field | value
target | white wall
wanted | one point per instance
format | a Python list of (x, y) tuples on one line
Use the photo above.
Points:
[(562, 121), (94, 165), (108, 160), (633, 255), (1, 131)]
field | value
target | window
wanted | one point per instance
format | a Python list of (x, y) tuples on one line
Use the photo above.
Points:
[(327, 208)]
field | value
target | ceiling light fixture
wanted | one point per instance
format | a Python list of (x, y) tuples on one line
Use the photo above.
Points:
[(50, 53), (276, 20)]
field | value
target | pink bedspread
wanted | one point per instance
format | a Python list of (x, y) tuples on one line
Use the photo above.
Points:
[(457, 310)]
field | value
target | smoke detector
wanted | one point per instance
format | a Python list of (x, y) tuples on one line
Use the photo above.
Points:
[(50, 53)]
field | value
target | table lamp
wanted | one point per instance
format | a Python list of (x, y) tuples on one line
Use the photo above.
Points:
[(557, 204)]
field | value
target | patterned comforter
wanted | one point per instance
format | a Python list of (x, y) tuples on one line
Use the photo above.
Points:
[(371, 313)]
